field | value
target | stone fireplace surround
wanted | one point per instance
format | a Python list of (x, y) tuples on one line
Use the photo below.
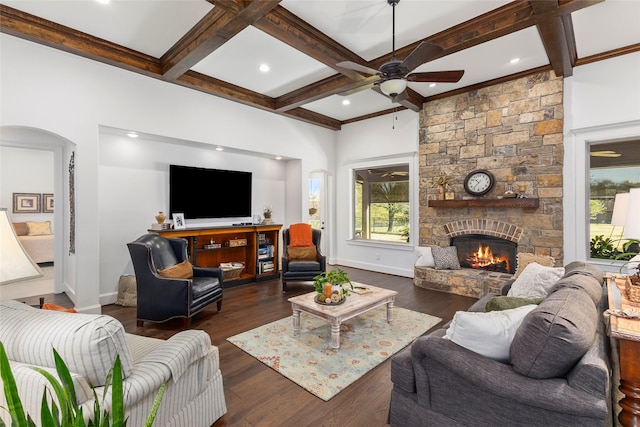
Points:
[(467, 281), (510, 128)]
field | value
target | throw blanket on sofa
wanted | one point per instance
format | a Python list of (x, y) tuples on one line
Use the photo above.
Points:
[(300, 235)]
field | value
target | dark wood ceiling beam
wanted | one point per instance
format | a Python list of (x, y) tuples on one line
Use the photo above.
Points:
[(556, 38), (224, 21), (321, 89), (222, 89), (41, 31), (609, 54), (289, 29), (313, 118)]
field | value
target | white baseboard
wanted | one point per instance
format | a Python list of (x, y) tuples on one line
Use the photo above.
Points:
[(396, 271)]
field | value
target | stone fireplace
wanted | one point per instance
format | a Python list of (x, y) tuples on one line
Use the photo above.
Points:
[(513, 129), (481, 252)]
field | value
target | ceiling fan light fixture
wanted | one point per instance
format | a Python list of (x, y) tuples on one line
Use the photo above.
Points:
[(393, 87)]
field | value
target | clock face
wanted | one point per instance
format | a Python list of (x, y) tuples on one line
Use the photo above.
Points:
[(479, 182)]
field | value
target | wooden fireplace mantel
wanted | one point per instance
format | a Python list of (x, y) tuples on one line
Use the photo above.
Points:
[(485, 203)]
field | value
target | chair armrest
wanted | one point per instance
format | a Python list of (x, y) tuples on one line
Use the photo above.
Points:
[(436, 359), (208, 272)]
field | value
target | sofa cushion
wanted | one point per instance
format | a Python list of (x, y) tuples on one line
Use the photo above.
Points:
[(446, 258), (424, 257), (488, 334), (580, 275), (182, 270), (38, 228), (506, 303), (303, 266), (523, 259), (87, 343), (535, 281), (555, 335)]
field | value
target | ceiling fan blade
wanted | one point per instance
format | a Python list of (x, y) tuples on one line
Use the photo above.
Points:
[(425, 52), (357, 67), (452, 76), (357, 89)]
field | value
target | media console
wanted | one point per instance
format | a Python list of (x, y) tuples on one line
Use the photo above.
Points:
[(256, 246)]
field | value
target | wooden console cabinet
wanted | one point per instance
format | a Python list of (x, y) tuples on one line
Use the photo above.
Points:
[(256, 246)]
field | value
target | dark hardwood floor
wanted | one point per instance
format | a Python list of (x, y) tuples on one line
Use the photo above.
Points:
[(258, 396)]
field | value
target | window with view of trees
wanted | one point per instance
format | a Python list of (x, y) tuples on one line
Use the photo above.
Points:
[(614, 169), (381, 203)]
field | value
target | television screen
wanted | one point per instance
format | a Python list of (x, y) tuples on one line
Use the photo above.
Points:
[(209, 193)]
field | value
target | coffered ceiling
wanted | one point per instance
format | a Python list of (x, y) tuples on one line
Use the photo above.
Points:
[(217, 46)]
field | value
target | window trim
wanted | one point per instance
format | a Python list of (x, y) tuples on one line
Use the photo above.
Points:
[(576, 203), (374, 162)]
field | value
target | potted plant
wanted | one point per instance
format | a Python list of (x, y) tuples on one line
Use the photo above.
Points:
[(332, 286)]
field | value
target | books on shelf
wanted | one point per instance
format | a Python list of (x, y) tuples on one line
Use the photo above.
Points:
[(163, 226)]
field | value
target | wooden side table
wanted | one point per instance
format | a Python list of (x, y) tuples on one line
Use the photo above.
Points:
[(627, 332)]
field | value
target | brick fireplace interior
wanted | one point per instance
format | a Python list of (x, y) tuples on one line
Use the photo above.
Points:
[(512, 128), (482, 252)]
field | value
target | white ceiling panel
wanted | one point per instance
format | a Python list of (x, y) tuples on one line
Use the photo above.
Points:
[(487, 61), (606, 26), (365, 26), (150, 27), (238, 62)]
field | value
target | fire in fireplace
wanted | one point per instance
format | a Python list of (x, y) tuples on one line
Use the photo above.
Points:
[(486, 252)]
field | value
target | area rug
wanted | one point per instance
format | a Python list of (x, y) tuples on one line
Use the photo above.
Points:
[(308, 359)]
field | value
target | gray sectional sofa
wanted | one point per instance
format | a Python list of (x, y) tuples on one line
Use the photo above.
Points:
[(558, 374)]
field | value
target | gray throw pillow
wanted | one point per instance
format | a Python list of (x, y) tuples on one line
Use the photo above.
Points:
[(446, 258), (555, 335)]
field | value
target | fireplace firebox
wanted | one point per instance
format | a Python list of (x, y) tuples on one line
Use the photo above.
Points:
[(483, 252)]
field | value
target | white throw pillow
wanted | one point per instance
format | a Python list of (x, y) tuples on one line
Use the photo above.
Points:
[(489, 334), (425, 257), (535, 281)]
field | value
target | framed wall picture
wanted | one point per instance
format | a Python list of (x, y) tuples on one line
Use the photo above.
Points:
[(178, 221), (26, 203), (47, 203)]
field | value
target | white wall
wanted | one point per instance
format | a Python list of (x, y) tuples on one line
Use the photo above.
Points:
[(374, 141), (74, 98), (601, 103), (25, 171)]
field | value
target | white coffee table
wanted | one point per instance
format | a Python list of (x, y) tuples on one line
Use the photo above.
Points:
[(354, 305)]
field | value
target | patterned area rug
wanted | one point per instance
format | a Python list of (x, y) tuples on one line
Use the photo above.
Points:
[(308, 359)]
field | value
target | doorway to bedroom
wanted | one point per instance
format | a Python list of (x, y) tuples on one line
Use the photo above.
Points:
[(26, 190)]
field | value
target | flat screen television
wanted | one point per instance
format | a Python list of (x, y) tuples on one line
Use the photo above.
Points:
[(209, 193)]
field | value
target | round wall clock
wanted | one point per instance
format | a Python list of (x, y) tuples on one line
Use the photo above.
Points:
[(479, 182)]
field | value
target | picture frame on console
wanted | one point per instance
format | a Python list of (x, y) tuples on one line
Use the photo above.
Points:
[(178, 221)]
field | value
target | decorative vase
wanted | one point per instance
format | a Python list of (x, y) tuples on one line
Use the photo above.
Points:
[(161, 217)]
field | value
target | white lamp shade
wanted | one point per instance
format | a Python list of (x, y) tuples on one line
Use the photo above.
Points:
[(620, 205), (393, 87), (15, 263), (632, 225)]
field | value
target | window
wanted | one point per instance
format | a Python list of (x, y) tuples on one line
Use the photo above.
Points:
[(614, 168), (381, 203)]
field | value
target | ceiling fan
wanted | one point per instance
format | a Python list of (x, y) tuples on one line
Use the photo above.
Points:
[(393, 75)]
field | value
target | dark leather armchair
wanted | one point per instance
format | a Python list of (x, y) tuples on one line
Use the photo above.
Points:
[(161, 298), (299, 270)]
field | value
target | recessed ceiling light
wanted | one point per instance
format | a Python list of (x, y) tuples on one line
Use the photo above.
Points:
[(132, 135), (219, 149), (264, 68), (278, 157), (433, 85), (103, 1), (515, 60), (346, 102)]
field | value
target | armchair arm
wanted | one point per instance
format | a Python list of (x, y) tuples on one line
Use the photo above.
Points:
[(440, 361)]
